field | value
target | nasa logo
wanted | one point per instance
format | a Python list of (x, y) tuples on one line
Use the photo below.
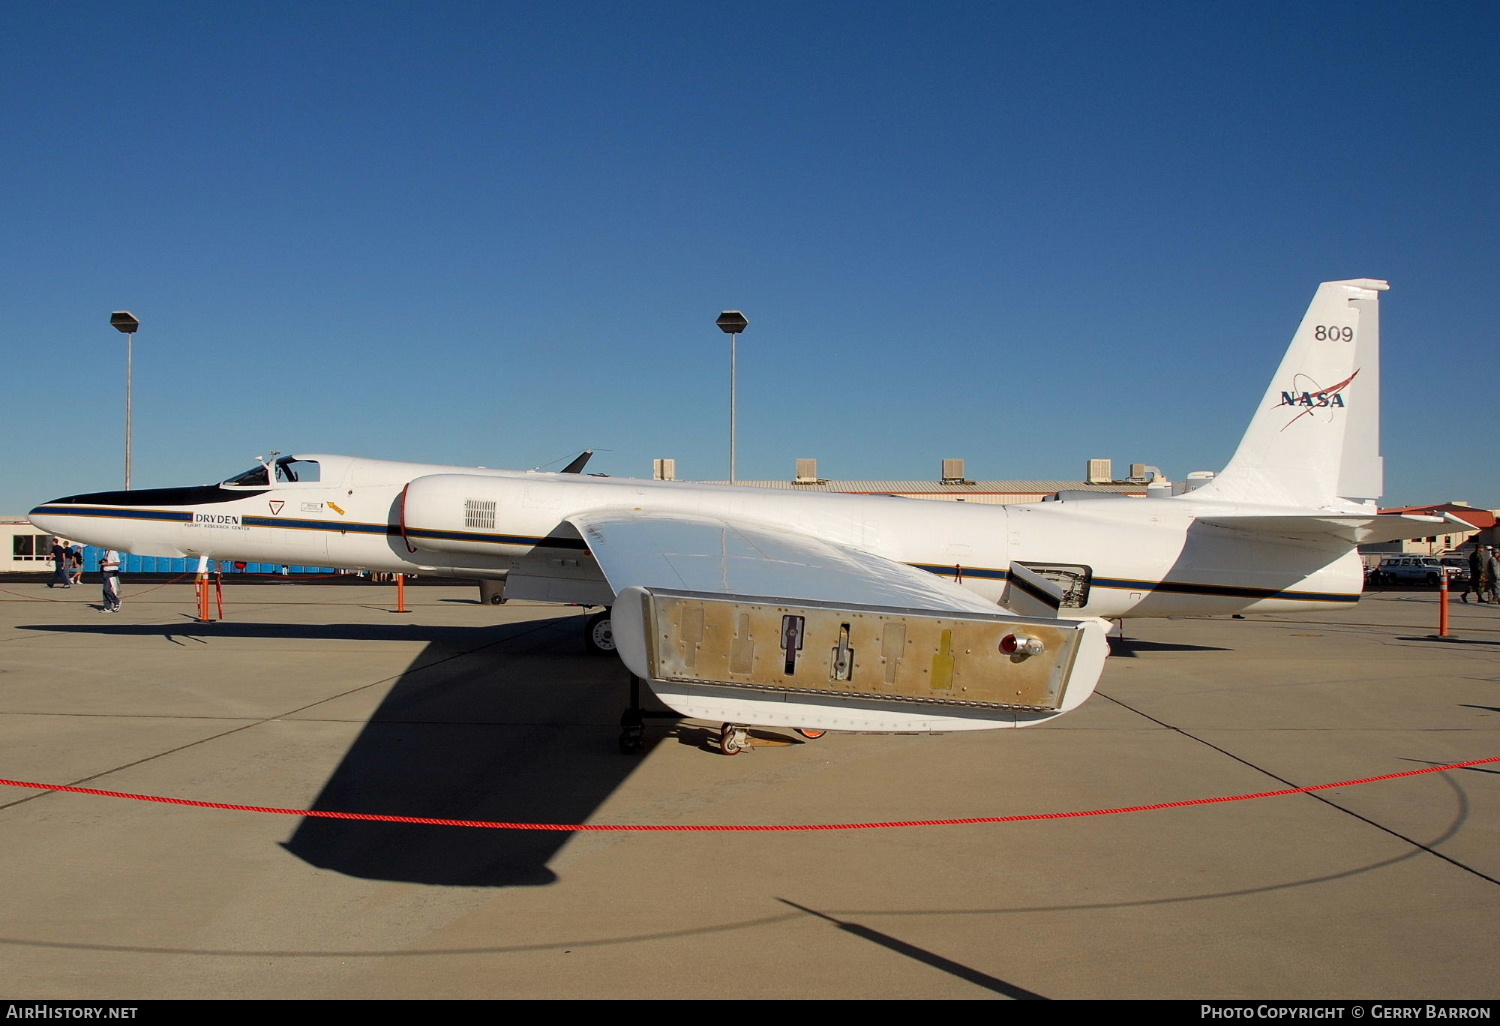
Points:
[(1311, 399), (1306, 398)]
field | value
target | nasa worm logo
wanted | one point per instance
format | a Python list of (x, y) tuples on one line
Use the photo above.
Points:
[(1306, 397)]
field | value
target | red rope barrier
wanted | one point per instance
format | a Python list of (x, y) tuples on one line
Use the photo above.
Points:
[(730, 828), (133, 593)]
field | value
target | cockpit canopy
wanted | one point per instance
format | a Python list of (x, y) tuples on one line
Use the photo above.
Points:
[(287, 470)]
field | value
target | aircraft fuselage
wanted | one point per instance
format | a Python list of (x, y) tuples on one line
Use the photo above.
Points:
[(1134, 557)]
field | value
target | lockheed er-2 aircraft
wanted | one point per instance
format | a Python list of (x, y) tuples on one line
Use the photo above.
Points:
[(823, 611)]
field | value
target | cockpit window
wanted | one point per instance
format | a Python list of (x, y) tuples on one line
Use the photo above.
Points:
[(289, 468), (255, 477)]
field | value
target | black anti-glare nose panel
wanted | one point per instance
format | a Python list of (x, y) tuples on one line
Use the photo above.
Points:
[(196, 495)]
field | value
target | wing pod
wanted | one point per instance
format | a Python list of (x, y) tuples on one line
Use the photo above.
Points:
[(465, 514), (848, 666), (752, 623)]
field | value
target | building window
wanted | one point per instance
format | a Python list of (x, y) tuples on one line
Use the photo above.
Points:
[(27, 548)]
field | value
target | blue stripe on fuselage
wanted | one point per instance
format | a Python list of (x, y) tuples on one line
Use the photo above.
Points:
[(394, 530)]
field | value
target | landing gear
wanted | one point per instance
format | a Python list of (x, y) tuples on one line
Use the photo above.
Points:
[(732, 739), (599, 634), (633, 721), (811, 735)]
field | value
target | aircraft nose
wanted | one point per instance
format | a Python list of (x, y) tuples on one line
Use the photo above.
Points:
[(131, 521), (50, 516), (75, 516)]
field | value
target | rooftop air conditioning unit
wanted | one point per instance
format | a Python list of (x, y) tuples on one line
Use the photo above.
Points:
[(1197, 479), (953, 472), (1101, 472), (807, 472)]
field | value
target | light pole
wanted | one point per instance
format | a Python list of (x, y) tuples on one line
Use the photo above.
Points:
[(731, 323), (125, 321)]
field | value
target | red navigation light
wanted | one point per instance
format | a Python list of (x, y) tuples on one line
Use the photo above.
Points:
[(1015, 644)]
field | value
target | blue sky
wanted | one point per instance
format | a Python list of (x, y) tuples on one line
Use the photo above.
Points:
[(499, 233)]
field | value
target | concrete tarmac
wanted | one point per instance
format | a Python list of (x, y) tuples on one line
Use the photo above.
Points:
[(308, 697)]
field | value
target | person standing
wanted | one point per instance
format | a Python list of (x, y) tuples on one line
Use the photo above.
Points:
[(1476, 569), (109, 576), (75, 564), (1489, 574), (61, 573)]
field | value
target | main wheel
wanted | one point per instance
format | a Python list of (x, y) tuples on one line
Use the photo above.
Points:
[(599, 634)]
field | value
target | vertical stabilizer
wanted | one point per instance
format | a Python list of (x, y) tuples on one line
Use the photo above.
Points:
[(1315, 438)]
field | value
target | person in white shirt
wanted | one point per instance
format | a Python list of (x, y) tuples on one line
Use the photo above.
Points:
[(109, 575)]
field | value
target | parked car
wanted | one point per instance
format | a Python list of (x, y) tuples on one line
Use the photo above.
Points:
[(1458, 569), (1408, 570)]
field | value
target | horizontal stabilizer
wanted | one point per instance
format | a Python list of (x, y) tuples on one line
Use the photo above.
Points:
[(1348, 529)]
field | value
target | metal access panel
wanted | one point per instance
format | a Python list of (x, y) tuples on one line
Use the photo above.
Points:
[(869, 652)]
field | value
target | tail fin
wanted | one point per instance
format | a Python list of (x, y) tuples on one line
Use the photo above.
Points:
[(1315, 438)]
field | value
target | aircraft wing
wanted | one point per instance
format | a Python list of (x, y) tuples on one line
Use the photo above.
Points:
[(1354, 529), (712, 555), (748, 623)]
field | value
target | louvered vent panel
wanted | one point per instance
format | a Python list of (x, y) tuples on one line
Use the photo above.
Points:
[(479, 513)]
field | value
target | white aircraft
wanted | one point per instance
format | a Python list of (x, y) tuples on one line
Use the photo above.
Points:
[(826, 611)]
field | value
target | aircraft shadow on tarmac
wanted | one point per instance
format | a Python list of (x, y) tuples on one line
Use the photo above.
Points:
[(1131, 647), (1448, 641), (512, 724)]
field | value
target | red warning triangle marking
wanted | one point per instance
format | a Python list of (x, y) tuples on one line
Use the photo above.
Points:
[(276, 505)]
